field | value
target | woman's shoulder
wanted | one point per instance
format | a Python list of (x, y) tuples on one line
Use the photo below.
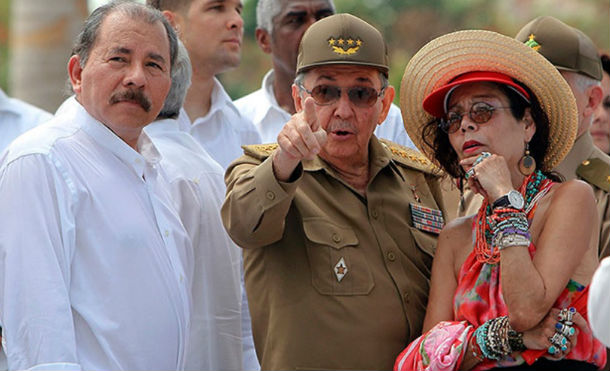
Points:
[(572, 190)]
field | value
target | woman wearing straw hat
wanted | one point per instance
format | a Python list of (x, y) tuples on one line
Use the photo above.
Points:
[(509, 284)]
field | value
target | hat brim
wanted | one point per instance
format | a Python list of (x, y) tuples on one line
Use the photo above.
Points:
[(454, 54)]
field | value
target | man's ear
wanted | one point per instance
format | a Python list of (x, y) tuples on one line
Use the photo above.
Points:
[(296, 97), (595, 95), (75, 72), (175, 19), (263, 39), (387, 99)]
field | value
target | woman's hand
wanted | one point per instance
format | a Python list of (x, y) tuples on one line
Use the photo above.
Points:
[(490, 175), (548, 334)]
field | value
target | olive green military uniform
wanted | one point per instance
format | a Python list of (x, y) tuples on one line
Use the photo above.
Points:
[(335, 280), (587, 162)]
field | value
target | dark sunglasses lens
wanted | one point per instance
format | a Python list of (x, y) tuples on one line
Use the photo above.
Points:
[(362, 96), (481, 113), (325, 94)]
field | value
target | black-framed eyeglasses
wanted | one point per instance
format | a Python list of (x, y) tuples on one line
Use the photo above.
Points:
[(479, 113), (360, 96)]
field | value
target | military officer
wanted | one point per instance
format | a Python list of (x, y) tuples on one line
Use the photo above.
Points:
[(576, 57), (338, 228)]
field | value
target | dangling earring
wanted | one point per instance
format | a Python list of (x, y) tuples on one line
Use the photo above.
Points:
[(527, 164)]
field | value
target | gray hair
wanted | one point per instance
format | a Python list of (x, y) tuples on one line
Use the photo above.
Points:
[(266, 10), (580, 81), (181, 80), (86, 39)]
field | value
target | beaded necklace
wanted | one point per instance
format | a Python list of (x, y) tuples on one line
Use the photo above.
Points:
[(484, 251)]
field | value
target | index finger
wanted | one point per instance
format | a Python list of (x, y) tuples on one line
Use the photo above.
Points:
[(309, 114)]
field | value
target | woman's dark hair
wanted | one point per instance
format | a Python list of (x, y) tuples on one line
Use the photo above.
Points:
[(538, 146)]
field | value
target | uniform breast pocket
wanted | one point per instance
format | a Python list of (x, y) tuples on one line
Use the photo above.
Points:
[(338, 264)]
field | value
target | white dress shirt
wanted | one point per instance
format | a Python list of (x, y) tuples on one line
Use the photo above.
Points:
[(17, 117), (198, 187), (599, 302), (96, 266), (268, 117), (223, 130), (221, 133)]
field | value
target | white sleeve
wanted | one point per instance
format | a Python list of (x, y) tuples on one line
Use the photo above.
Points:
[(36, 244), (599, 302)]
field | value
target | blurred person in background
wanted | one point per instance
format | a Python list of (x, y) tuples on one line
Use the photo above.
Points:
[(17, 117), (600, 129)]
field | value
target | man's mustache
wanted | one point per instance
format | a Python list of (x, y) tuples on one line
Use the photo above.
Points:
[(131, 95)]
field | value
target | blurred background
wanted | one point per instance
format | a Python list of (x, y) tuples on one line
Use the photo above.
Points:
[(36, 35)]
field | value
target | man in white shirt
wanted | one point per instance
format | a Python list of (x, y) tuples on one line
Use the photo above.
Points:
[(212, 32), (17, 117), (280, 27), (96, 266), (198, 188)]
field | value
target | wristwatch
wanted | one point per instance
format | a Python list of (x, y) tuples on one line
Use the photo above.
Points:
[(512, 199)]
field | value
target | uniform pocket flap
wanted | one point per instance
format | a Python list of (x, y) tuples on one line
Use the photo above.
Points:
[(425, 241), (324, 232)]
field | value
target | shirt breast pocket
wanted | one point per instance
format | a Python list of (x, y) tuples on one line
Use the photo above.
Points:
[(338, 264)]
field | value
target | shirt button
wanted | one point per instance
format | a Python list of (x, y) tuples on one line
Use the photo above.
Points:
[(375, 214), (336, 237), (391, 256), (406, 297), (138, 161), (181, 278), (270, 195), (166, 233)]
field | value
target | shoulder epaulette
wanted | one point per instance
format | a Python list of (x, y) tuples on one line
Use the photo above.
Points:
[(595, 171), (259, 151), (410, 157)]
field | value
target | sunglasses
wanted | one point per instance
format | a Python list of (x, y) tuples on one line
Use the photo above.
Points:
[(360, 96), (479, 113)]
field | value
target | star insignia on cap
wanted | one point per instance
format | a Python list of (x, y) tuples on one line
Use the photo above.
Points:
[(345, 46), (532, 43)]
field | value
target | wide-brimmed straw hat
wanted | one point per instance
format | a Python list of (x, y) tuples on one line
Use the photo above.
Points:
[(451, 55)]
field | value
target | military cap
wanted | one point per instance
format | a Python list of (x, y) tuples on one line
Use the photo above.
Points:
[(342, 39), (566, 47)]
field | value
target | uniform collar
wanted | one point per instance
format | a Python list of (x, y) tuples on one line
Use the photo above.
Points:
[(581, 150), (137, 160), (379, 158)]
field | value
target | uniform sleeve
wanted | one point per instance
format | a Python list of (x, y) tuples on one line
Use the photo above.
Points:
[(603, 205), (599, 303), (36, 242), (256, 205)]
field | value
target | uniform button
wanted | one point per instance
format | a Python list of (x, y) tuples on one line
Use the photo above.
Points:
[(270, 195), (375, 213), (406, 297), (586, 162), (391, 256), (336, 237)]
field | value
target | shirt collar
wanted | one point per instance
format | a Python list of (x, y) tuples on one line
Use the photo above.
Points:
[(219, 100), (147, 153)]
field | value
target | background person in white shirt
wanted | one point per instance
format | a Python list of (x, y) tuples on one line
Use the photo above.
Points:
[(212, 31), (197, 185), (280, 27), (17, 117), (96, 265)]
